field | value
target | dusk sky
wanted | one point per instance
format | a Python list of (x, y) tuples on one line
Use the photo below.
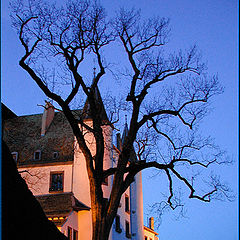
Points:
[(213, 26)]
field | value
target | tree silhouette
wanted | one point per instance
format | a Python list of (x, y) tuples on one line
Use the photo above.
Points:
[(168, 94)]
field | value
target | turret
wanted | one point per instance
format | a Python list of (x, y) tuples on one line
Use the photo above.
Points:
[(101, 110), (125, 130), (136, 198)]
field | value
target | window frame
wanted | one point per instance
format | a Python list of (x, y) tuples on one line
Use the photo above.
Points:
[(75, 234), (16, 156), (105, 181), (127, 229), (40, 155), (69, 233), (127, 203), (57, 155), (51, 178)]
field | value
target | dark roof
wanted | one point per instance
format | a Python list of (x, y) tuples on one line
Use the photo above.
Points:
[(57, 207), (6, 112), (23, 135), (102, 112), (61, 204), (133, 156), (125, 132)]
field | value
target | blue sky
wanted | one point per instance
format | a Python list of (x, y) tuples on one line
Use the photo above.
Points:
[(213, 26)]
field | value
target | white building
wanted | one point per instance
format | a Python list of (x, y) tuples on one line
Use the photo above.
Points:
[(52, 164)]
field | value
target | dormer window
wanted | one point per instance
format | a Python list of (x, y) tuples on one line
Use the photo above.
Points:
[(37, 155), (15, 156), (55, 155)]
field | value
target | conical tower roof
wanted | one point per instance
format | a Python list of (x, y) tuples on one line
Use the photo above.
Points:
[(100, 106), (125, 130), (133, 157)]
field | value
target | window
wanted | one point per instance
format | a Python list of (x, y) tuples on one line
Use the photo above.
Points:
[(105, 181), (69, 233), (56, 181), (15, 156), (127, 207), (128, 235), (37, 155), (117, 224), (75, 235), (55, 155)]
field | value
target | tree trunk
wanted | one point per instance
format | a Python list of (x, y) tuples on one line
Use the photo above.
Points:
[(102, 220), (101, 227)]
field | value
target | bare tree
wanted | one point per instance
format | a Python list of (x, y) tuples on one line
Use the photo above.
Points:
[(168, 93), (34, 178)]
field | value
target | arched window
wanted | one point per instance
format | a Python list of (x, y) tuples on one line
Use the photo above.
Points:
[(55, 155), (15, 156)]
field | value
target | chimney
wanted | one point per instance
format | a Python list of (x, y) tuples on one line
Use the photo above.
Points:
[(47, 117), (151, 223)]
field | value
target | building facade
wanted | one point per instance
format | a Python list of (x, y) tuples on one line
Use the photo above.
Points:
[(54, 168)]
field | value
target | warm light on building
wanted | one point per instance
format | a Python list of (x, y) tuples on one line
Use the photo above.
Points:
[(62, 187)]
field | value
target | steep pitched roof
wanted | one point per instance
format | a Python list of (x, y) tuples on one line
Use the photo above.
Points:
[(125, 132), (6, 112), (120, 142), (102, 112), (23, 135), (57, 207), (60, 204)]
